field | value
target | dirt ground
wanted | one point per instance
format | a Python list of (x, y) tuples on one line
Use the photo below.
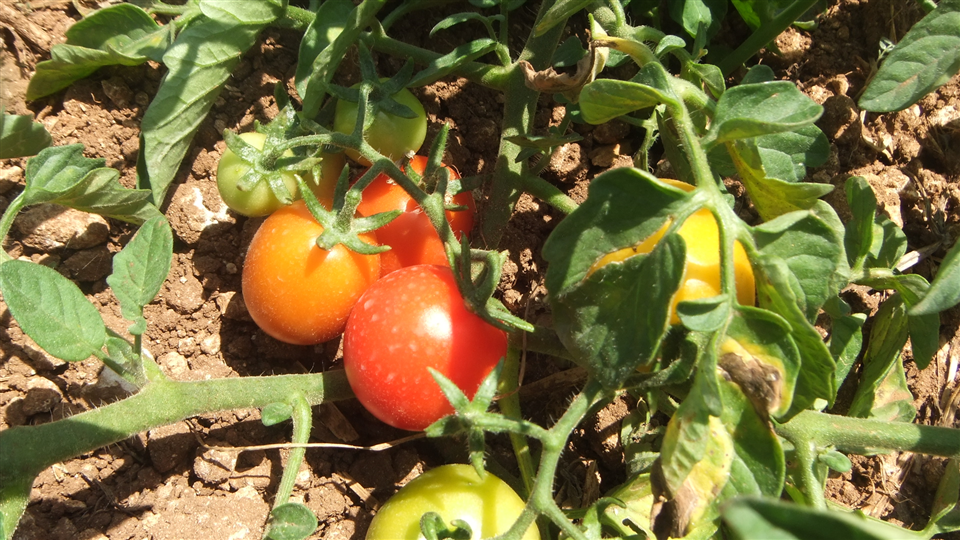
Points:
[(168, 483)]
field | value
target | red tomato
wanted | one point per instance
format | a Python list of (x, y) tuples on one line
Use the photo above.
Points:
[(411, 236), (408, 321), (295, 291)]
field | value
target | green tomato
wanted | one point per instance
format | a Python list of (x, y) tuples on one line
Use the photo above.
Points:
[(489, 505), (260, 200), (392, 136)]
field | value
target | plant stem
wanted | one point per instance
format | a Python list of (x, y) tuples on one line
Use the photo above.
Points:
[(548, 193), (860, 435), (520, 105), (494, 77), (296, 18), (28, 450), (763, 35), (302, 424), (509, 405)]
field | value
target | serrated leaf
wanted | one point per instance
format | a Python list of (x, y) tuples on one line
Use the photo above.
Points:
[(118, 35), (20, 136), (927, 57), (770, 196), (751, 110), (55, 171), (140, 269), (52, 311), (199, 63), (291, 521)]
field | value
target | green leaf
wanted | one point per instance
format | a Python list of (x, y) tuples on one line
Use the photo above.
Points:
[(771, 197), (448, 63), (328, 58), (623, 207), (806, 146), (946, 513), (20, 136), (927, 57), (846, 341), (118, 35), (615, 319), (276, 413), (924, 329), (330, 20), (758, 466), (775, 291), (291, 521), (858, 240), (62, 175), (199, 63), (889, 244), (559, 13), (812, 251), (140, 269), (751, 110), (753, 518), (882, 392), (605, 99), (52, 311), (760, 356), (704, 314), (699, 17), (944, 292), (230, 12)]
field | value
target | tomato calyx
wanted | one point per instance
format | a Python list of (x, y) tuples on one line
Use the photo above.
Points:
[(434, 528), (340, 224)]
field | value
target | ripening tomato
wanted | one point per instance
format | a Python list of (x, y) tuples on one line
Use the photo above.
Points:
[(392, 136), (406, 322), (701, 272), (411, 236), (259, 200), (294, 290), (488, 505)]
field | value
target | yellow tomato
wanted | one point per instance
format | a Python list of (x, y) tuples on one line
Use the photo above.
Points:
[(701, 272)]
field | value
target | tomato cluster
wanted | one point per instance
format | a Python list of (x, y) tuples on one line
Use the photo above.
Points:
[(395, 327)]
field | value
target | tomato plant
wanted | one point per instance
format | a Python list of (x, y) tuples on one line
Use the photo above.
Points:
[(258, 200), (701, 270), (455, 492), (391, 135), (411, 236), (296, 291), (408, 321)]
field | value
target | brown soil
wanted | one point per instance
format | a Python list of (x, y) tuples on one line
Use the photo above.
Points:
[(168, 483)]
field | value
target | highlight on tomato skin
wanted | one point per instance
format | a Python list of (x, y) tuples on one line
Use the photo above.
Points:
[(409, 320), (295, 291), (411, 237), (701, 270)]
